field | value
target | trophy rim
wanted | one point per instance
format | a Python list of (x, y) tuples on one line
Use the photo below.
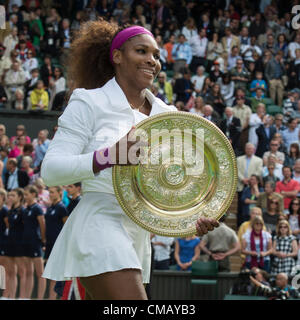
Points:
[(227, 203)]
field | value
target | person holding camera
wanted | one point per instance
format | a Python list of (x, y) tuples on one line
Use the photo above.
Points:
[(281, 291)]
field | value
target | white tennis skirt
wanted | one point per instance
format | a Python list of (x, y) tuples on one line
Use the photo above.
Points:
[(98, 237)]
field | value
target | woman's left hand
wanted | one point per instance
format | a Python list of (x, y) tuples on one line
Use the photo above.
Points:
[(203, 225)]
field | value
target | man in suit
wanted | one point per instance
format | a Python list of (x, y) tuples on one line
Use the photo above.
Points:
[(231, 127), (247, 165), (265, 133), (230, 40), (210, 114), (15, 178)]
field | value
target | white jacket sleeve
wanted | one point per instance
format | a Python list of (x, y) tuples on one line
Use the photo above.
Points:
[(64, 162)]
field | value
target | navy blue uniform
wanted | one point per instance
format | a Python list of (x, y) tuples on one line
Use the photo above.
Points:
[(32, 234), (54, 223), (15, 234), (3, 237), (73, 203)]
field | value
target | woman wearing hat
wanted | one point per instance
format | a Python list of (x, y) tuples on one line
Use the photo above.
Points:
[(99, 243)]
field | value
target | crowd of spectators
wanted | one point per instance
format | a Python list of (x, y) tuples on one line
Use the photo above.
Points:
[(235, 63)]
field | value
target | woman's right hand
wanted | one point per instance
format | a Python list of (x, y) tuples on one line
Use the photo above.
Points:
[(127, 149)]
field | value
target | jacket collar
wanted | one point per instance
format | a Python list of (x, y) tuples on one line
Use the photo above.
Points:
[(119, 101)]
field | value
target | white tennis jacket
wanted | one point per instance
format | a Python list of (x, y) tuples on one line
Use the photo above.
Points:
[(94, 119)]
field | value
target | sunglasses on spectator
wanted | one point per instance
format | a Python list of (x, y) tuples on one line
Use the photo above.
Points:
[(283, 227), (274, 144), (295, 203), (273, 201)]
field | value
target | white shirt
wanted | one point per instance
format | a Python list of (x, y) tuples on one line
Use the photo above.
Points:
[(198, 81), (199, 46), (162, 252), (292, 48), (94, 119), (12, 182)]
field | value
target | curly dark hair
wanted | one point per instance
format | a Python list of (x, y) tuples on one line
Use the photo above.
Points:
[(88, 64)]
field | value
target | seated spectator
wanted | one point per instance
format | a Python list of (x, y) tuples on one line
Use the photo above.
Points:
[(26, 166), (258, 83), (296, 113), (56, 84), (250, 195), (20, 131), (18, 148), (165, 87), (163, 52), (169, 47), (240, 75), (215, 99), (257, 246), (271, 215), (215, 74), (262, 277), (291, 134), (243, 112), (210, 114), (278, 125), (265, 133), (187, 250), (198, 79), (274, 146), (30, 84), (248, 50), (15, 178), (269, 192), (155, 90), (47, 70), (282, 45), (294, 71), (296, 171), (231, 127), (18, 101), (270, 177), (285, 249), (240, 92), (198, 106), (183, 87), (230, 40), (282, 148), (40, 144), (11, 41), (233, 57), (30, 63), (22, 50), (214, 50), (281, 291), (198, 45), (256, 119), (14, 79), (271, 160), (162, 251), (206, 87), (227, 89), (180, 106), (288, 187), (60, 101), (27, 151), (181, 54), (39, 98), (220, 250), (294, 217), (290, 104)]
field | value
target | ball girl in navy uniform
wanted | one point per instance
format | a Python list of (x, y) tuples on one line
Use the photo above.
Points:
[(15, 251), (34, 239), (3, 235), (56, 216)]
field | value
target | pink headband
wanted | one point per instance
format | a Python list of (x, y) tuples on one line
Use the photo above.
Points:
[(124, 35)]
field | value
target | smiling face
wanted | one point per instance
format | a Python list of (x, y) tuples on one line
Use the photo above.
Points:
[(137, 61)]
